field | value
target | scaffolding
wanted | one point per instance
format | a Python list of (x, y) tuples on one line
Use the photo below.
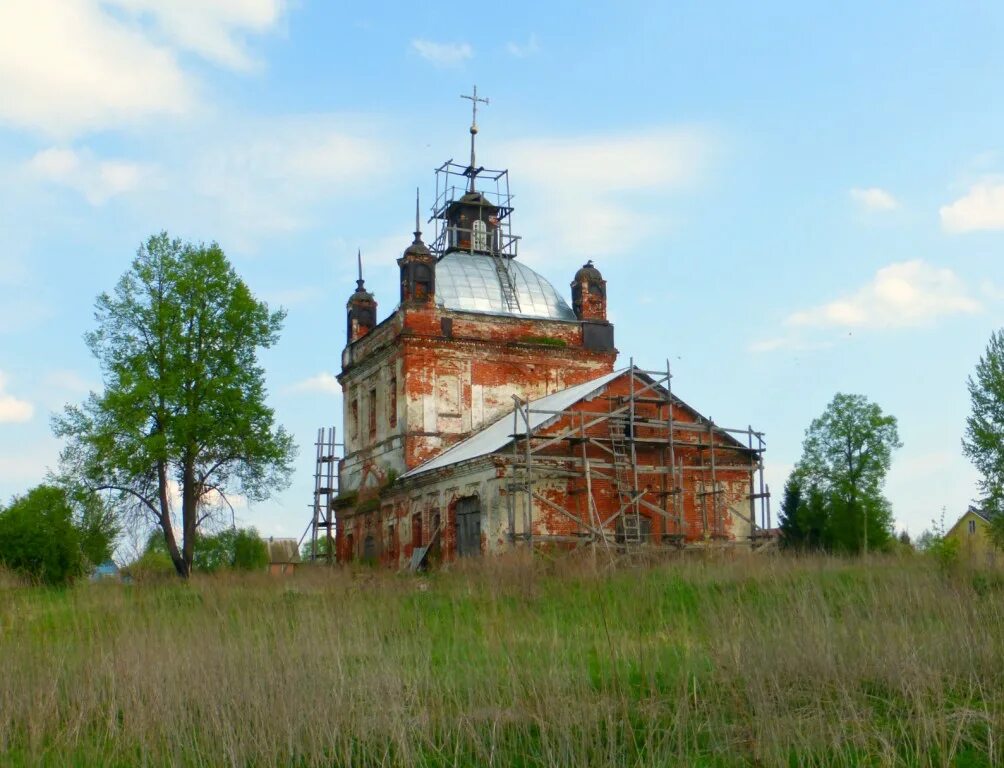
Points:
[(322, 523), (646, 457)]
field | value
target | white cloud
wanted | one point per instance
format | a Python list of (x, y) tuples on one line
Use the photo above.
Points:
[(323, 383), (523, 50), (13, 410), (590, 186), (908, 293), (69, 66), (209, 28), (97, 180), (874, 199), (982, 208), (265, 178), (443, 54)]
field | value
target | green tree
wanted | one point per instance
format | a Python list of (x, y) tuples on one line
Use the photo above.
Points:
[(791, 530), (983, 443), (250, 551), (44, 536), (183, 405), (322, 549), (846, 454)]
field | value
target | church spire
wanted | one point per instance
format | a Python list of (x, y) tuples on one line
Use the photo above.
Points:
[(418, 224), (473, 168), (359, 281)]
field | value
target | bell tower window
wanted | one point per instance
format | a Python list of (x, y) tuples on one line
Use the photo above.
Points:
[(480, 238)]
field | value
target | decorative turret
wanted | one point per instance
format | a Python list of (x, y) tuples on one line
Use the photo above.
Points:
[(418, 268), (589, 294), (362, 308)]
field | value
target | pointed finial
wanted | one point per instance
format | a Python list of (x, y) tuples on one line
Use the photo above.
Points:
[(418, 226), (359, 257), (474, 128)]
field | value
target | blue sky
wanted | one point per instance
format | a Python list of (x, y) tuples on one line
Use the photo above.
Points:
[(787, 199)]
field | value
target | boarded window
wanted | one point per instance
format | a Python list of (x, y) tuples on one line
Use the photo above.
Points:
[(480, 235), (468, 524), (373, 413), (416, 529), (435, 536), (392, 403)]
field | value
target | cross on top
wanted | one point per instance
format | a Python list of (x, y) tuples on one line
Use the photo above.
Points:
[(474, 105), (472, 170)]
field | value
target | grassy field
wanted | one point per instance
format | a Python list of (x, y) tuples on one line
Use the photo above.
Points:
[(701, 662)]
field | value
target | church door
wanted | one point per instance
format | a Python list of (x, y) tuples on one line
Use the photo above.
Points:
[(468, 527)]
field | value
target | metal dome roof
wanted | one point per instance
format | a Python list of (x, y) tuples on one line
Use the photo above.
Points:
[(469, 282)]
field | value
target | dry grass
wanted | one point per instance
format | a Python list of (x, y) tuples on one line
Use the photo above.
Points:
[(753, 661)]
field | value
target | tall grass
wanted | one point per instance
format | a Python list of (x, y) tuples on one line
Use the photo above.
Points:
[(751, 661)]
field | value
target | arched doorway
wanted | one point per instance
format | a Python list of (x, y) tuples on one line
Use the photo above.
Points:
[(468, 527)]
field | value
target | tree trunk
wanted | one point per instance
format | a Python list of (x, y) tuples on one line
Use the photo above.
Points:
[(165, 522), (189, 510)]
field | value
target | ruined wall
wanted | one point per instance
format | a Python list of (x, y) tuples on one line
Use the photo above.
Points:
[(691, 515), (426, 378)]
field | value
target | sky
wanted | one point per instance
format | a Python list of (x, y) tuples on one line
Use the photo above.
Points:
[(787, 199)]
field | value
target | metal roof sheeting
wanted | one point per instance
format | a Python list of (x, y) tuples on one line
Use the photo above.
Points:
[(499, 434), (470, 282)]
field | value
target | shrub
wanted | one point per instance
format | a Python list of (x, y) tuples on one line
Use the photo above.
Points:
[(152, 564), (250, 551), (38, 537), (240, 548)]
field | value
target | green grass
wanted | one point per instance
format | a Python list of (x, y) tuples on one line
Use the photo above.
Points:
[(753, 661)]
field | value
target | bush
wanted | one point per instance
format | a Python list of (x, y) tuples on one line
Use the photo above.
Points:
[(240, 548), (152, 564), (38, 538), (250, 552)]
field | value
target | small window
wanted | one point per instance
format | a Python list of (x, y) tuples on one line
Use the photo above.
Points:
[(972, 526), (392, 403), (480, 235), (372, 413), (416, 530), (355, 417)]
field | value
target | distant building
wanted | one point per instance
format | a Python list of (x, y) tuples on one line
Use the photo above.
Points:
[(487, 412), (972, 531), (283, 556), (107, 571)]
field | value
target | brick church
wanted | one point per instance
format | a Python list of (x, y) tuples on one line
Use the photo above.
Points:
[(486, 410)]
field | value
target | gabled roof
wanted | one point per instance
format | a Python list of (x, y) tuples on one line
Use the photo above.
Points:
[(499, 433), (980, 513)]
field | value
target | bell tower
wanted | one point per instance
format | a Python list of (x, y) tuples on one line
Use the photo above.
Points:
[(418, 268), (362, 308), (589, 294)]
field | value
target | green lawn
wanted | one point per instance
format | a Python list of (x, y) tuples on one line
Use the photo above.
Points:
[(698, 662)]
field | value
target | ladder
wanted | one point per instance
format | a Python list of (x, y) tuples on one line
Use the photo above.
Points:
[(506, 283), (325, 491), (622, 450)]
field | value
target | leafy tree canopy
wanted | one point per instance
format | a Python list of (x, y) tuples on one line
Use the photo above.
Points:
[(238, 548), (52, 537), (846, 455), (182, 420), (984, 438)]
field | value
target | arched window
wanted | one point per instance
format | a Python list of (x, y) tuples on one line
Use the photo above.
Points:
[(423, 281), (480, 235)]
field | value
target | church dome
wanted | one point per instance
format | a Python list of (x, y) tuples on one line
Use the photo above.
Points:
[(588, 272), (471, 282)]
